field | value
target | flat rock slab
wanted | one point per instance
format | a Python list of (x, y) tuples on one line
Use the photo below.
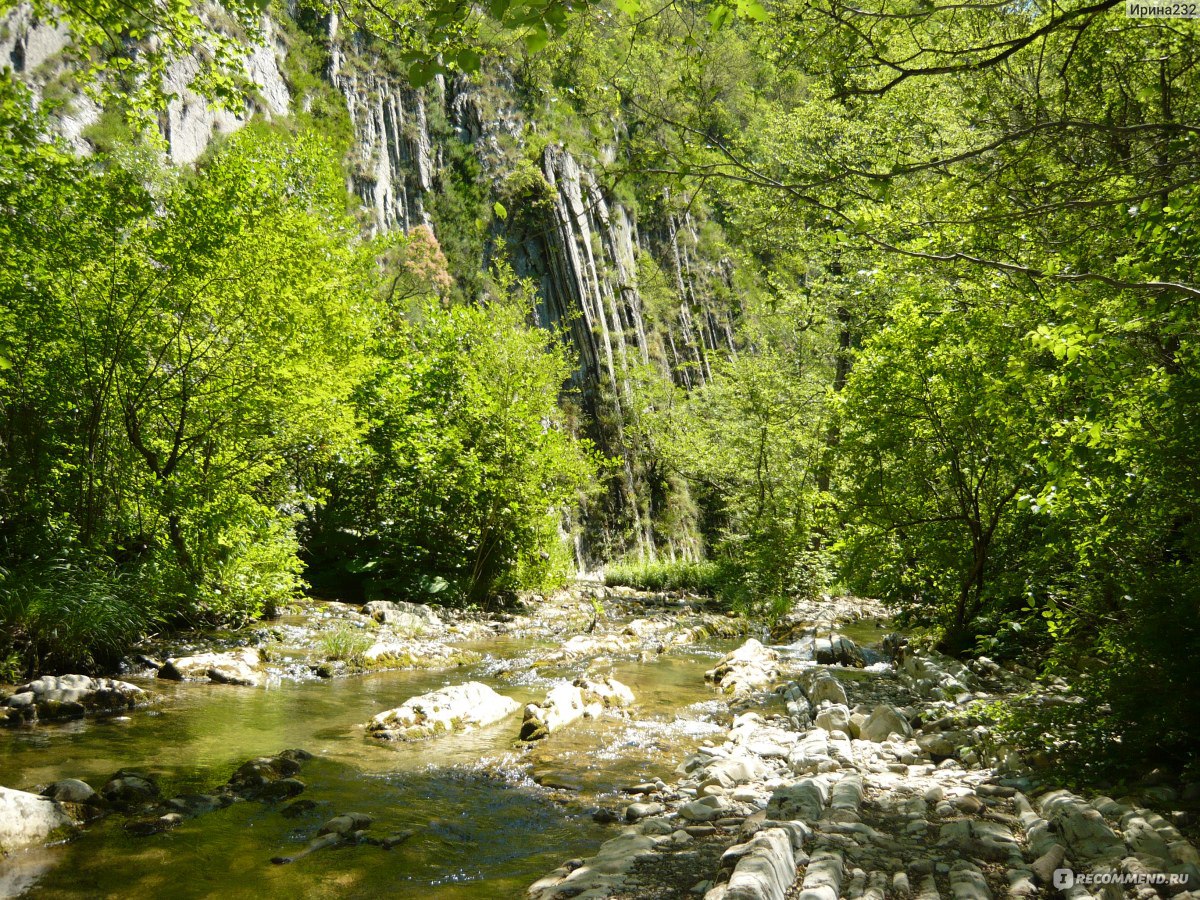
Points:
[(235, 667), (403, 616), (456, 708), (1087, 835), (72, 697), (765, 868), (565, 703), (585, 645), (600, 876)]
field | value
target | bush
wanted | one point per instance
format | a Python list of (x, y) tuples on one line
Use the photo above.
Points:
[(63, 616), (467, 464), (345, 643)]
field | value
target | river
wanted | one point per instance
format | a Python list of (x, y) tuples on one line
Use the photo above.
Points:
[(488, 814)]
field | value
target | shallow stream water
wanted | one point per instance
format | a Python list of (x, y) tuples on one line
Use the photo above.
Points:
[(488, 816)]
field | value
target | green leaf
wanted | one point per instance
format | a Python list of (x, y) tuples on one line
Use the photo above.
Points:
[(467, 60), (537, 38), (499, 210), (751, 9), (630, 7), (719, 17), (421, 73)]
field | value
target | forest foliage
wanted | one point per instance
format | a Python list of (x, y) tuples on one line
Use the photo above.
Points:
[(196, 363), (991, 214), (965, 375)]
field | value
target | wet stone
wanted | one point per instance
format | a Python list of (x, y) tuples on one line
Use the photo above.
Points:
[(636, 811), (298, 809), (70, 790), (128, 788)]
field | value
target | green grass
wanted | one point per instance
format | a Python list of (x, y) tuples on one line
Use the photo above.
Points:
[(60, 616), (681, 575), (345, 643)]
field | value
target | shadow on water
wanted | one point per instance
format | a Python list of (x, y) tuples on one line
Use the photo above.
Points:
[(481, 827), (474, 836)]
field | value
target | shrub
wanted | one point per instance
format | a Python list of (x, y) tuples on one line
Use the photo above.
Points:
[(64, 616), (667, 575)]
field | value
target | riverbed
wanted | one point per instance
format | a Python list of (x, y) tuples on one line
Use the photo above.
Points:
[(487, 813)]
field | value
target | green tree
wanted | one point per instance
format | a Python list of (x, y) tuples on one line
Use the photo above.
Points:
[(468, 465), (175, 350), (940, 433)]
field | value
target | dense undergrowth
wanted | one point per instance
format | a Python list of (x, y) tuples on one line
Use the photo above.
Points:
[(699, 577)]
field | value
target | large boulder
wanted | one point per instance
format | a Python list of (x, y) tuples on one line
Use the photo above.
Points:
[(731, 771), (812, 754), (835, 717), (235, 667), (584, 645), (401, 616), (565, 703), (129, 788), (750, 667), (883, 721), (27, 820), (943, 744), (270, 778), (392, 652), (934, 675), (607, 691), (70, 790), (804, 800), (456, 708), (72, 697), (824, 688), (838, 650)]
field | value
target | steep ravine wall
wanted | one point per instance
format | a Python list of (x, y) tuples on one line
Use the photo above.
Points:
[(581, 247)]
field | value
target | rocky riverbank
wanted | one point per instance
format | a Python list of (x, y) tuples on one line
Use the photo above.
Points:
[(555, 654), (888, 785), (325, 639)]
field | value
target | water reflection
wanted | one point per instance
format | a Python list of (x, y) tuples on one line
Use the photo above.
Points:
[(482, 827)]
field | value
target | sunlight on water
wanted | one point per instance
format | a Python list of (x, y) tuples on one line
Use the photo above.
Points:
[(482, 827)]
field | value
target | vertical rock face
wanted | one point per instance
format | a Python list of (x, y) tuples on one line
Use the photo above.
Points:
[(35, 51), (580, 245), (585, 261), (32, 49), (190, 123), (392, 164)]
